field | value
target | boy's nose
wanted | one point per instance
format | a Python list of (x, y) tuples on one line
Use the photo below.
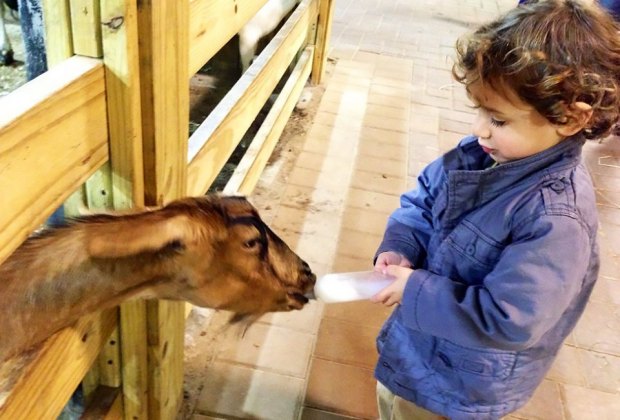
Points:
[(480, 127)]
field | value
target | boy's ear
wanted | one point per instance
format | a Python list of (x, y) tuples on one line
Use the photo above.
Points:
[(578, 115)]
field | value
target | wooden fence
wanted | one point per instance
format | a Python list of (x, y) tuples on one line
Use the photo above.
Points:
[(110, 118)]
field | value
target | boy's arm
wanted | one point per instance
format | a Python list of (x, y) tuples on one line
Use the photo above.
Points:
[(409, 227), (524, 296)]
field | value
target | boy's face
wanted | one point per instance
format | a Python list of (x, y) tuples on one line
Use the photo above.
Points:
[(507, 128)]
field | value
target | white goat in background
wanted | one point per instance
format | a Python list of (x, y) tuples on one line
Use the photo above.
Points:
[(265, 21)]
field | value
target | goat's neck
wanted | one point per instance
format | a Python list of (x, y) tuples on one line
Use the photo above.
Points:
[(48, 283)]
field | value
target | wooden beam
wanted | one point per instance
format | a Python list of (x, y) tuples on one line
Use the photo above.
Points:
[(55, 369), (213, 23), (249, 169), (164, 79), (86, 27), (122, 64), (216, 138), (54, 136), (323, 34)]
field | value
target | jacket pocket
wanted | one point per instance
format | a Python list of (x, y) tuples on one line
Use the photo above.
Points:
[(469, 253), (472, 374)]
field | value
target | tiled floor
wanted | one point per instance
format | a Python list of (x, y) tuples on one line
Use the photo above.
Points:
[(390, 106)]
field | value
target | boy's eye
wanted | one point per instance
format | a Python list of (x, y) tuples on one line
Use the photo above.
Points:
[(497, 123)]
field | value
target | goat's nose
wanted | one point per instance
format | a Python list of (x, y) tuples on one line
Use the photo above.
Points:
[(310, 295)]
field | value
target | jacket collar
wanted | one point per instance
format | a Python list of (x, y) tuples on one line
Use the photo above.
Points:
[(469, 184)]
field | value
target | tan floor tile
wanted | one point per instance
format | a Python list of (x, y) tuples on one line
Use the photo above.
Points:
[(425, 124), (588, 404), (568, 367), (304, 177), (368, 147), (610, 263), (387, 111), (386, 123), (362, 312), (336, 120), (448, 140), (598, 329), (357, 244), (424, 153), (342, 388), (392, 82), (306, 320), (341, 144), (382, 136), (381, 166), (318, 248), (380, 202), (545, 404), (418, 139), (346, 263), (247, 393), (602, 371), (268, 347), (346, 342), (201, 417), (331, 132), (314, 414), (387, 100), (374, 181), (606, 290), (345, 79), (364, 221), (310, 160), (404, 75), (305, 197)]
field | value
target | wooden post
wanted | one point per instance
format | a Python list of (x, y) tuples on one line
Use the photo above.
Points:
[(164, 79), (119, 32), (323, 33)]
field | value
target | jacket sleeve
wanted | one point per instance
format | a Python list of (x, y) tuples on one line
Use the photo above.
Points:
[(534, 282), (409, 227)]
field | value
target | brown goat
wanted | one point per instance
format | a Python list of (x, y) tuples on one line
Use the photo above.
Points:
[(212, 251)]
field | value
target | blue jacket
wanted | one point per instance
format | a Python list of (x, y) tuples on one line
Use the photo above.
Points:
[(505, 260)]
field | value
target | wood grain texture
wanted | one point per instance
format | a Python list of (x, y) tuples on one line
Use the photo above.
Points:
[(250, 168), (213, 23), (47, 382), (216, 138), (54, 136)]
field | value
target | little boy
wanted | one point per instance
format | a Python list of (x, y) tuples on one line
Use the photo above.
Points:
[(494, 252)]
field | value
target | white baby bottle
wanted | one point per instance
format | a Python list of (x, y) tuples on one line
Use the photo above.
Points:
[(344, 287)]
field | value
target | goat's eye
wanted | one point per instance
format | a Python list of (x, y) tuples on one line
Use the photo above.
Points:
[(252, 243)]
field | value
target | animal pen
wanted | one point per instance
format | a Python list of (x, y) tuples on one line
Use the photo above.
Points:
[(108, 123)]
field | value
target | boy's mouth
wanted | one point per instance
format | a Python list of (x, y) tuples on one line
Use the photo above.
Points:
[(487, 150)]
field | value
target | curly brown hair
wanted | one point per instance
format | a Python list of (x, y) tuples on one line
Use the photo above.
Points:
[(551, 54)]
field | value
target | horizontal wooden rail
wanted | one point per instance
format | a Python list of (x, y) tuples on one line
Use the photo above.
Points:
[(53, 136), (218, 136), (249, 169), (39, 386), (213, 23)]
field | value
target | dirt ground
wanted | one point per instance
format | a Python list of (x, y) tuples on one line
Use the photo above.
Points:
[(14, 75)]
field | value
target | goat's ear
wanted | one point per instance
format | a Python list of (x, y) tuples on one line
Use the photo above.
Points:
[(131, 237)]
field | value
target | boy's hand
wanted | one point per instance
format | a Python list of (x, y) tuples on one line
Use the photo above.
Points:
[(390, 258), (394, 292)]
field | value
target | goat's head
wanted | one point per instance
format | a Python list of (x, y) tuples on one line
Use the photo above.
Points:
[(218, 253)]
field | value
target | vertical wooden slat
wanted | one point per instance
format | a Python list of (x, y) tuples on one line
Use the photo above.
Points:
[(58, 36), (121, 59), (164, 50), (86, 25), (323, 33)]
